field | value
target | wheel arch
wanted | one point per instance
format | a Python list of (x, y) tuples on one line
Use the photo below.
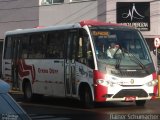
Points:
[(82, 87)]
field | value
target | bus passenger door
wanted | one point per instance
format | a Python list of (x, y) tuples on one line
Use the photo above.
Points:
[(14, 65), (70, 63)]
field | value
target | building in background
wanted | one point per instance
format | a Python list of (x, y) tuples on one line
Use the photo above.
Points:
[(17, 14), (20, 14)]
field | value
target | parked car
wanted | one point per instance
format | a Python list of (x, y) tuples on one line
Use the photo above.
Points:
[(9, 108)]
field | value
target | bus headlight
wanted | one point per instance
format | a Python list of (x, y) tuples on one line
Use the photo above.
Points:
[(104, 82), (100, 81), (152, 83)]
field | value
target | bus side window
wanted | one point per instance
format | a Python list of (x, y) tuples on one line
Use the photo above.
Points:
[(25, 45), (85, 54), (90, 60), (7, 52), (36, 46), (55, 45)]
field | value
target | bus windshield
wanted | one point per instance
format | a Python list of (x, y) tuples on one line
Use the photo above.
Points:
[(120, 46)]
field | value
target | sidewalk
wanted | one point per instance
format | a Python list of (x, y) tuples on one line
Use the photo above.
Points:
[(12, 91)]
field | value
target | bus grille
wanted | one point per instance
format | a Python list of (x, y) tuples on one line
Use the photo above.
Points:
[(139, 73), (131, 92)]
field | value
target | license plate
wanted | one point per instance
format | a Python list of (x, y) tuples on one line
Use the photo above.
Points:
[(130, 98)]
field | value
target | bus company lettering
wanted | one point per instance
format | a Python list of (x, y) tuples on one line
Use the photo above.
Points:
[(49, 71), (52, 71)]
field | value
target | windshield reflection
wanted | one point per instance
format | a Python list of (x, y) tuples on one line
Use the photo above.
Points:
[(111, 45)]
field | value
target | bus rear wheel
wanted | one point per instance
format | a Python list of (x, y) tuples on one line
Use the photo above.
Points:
[(140, 102), (86, 98), (28, 92)]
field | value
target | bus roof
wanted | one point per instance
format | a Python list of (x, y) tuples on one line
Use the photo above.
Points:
[(42, 29), (98, 23), (60, 27)]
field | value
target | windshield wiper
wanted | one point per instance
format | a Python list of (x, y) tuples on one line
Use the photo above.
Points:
[(133, 58), (136, 60)]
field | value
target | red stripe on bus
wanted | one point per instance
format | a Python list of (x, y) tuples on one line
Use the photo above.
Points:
[(25, 70)]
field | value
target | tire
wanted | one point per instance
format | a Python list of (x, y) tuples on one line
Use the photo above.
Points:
[(86, 99), (28, 92), (140, 102)]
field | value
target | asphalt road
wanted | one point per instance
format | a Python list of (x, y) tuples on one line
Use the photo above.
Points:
[(48, 108)]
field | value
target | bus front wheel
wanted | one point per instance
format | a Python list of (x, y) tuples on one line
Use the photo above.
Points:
[(140, 102), (27, 92), (86, 98)]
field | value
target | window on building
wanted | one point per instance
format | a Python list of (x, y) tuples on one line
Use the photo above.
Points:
[(57, 1), (80, 0), (50, 2)]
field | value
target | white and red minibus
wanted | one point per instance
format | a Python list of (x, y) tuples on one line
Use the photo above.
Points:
[(72, 61)]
